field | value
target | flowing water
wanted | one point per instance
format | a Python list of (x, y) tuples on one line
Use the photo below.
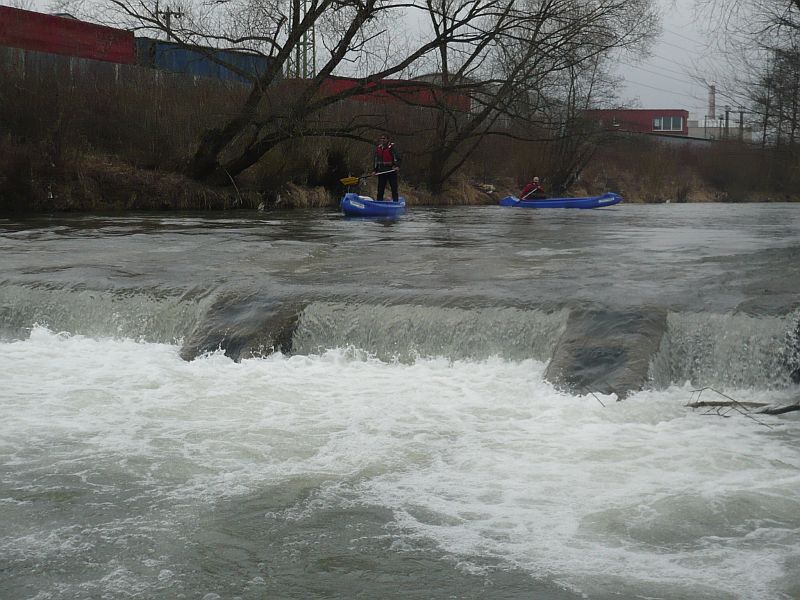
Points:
[(462, 403)]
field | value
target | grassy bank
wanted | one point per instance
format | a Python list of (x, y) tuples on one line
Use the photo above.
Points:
[(118, 144)]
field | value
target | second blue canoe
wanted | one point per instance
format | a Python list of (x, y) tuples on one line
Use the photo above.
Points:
[(607, 199)]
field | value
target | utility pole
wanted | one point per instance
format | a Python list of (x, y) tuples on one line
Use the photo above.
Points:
[(302, 64), (168, 14), (727, 121), (741, 124)]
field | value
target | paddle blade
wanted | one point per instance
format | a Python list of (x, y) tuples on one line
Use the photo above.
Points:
[(349, 180)]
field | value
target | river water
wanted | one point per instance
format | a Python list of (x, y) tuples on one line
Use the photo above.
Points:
[(406, 439)]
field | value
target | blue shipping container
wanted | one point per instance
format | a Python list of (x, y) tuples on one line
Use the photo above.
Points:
[(169, 56)]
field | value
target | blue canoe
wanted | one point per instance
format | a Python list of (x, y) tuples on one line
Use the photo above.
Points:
[(607, 199), (364, 206)]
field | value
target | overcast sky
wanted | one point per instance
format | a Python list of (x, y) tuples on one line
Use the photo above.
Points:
[(668, 79)]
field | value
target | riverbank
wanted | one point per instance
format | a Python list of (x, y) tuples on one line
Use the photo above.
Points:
[(32, 181), (88, 183), (123, 145)]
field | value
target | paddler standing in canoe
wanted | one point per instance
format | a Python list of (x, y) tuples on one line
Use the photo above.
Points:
[(386, 165)]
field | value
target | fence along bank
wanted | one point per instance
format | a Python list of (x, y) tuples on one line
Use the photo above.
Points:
[(34, 43)]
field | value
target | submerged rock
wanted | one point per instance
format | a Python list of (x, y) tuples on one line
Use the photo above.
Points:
[(606, 351), (244, 327)]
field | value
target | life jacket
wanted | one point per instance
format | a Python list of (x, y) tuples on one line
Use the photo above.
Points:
[(384, 156)]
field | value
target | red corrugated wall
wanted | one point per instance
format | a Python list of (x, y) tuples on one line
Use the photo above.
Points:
[(415, 95), (60, 35)]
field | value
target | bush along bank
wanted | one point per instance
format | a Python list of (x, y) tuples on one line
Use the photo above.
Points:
[(32, 180)]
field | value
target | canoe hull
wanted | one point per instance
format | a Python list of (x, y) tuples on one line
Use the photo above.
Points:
[(607, 199), (363, 206)]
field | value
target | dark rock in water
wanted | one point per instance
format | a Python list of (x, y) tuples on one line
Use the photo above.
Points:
[(606, 351), (244, 327)]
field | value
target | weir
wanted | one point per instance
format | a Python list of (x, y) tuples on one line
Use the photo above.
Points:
[(587, 349), (590, 349)]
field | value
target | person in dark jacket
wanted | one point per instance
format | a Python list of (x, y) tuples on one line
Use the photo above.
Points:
[(532, 191), (386, 165)]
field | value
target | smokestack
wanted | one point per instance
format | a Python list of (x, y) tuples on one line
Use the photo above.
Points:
[(712, 101)]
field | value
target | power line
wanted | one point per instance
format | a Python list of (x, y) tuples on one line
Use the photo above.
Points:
[(721, 92), (665, 59), (673, 92), (666, 43), (680, 35), (687, 81), (659, 67)]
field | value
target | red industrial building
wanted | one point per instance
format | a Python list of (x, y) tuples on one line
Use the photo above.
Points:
[(398, 91), (668, 121), (62, 35)]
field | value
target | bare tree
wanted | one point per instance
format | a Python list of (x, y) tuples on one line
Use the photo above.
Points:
[(516, 68), (575, 137), (353, 33), (761, 41), (775, 98), (502, 54)]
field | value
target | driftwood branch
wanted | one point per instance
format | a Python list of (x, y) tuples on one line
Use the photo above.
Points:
[(725, 403), (723, 407), (779, 410)]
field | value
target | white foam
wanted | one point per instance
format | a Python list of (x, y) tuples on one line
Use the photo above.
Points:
[(484, 458)]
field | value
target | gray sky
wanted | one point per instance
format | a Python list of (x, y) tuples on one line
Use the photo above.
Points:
[(668, 78)]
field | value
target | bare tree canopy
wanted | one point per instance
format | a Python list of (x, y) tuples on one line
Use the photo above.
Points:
[(761, 42), (526, 66), (535, 60)]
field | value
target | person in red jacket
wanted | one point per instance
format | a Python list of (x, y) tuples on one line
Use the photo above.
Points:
[(386, 165), (532, 191)]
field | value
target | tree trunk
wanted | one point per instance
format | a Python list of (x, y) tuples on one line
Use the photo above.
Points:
[(204, 165)]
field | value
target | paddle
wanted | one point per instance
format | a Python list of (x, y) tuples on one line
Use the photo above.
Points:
[(355, 180)]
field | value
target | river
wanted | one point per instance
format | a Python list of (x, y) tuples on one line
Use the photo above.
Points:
[(467, 402)]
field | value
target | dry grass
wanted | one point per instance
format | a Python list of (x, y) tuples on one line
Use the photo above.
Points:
[(296, 196), (103, 183)]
